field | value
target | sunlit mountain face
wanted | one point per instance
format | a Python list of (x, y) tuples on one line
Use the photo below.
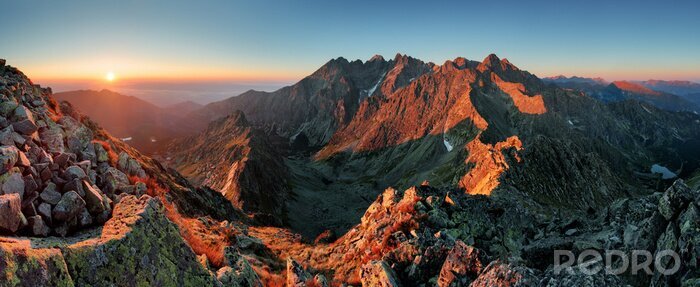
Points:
[(349, 144)]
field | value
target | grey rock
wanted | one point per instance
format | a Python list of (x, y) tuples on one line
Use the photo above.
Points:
[(675, 199), (74, 172), (14, 183), (50, 194), (68, 207), (93, 199), (37, 226), (8, 158), (25, 127), (44, 210)]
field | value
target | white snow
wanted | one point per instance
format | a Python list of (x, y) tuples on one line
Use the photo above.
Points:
[(447, 144), (664, 171), (570, 122), (374, 88), (126, 139)]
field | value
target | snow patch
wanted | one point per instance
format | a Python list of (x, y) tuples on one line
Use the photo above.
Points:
[(447, 144), (570, 122), (125, 139), (374, 88), (664, 171)]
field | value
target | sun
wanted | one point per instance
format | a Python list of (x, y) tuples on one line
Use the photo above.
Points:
[(110, 76)]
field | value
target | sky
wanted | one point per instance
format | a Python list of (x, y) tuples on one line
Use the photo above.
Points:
[(267, 44)]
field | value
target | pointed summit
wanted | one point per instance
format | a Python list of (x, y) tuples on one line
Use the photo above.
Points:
[(376, 58)]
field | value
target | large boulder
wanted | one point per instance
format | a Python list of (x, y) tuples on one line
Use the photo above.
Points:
[(675, 199), (10, 213), (138, 246), (22, 265), (70, 205), (462, 264), (13, 183), (8, 158)]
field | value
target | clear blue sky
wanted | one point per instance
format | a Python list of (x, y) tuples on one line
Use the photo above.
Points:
[(285, 40)]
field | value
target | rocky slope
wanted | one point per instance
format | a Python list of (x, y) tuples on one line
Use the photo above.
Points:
[(239, 161), (75, 208)]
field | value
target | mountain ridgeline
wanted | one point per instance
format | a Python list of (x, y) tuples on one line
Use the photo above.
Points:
[(376, 173), (351, 129)]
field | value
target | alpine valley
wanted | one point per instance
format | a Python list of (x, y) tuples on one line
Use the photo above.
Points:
[(382, 172)]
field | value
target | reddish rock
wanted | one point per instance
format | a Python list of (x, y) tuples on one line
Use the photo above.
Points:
[(463, 262), (10, 212)]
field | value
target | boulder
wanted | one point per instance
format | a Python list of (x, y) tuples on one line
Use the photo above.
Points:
[(675, 199), (113, 180), (10, 213), (463, 264), (52, 138), (75, 185), (8, 158), (93, 198), (74, 172), (44, 210), (68, 207), (378, 273), (37, 226), (32, 267), (138, 246), (25, 127), (13, 183), (7, 107), (50, 194), (77, 135), (22, 160)]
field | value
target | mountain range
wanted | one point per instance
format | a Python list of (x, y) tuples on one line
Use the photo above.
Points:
[(376, 173)]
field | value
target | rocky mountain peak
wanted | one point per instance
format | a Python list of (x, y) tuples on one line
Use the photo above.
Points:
[(377, 58)]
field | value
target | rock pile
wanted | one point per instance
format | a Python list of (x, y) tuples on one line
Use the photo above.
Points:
[(55, 177)]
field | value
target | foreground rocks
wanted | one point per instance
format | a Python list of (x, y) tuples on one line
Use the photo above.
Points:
[(139, 246)]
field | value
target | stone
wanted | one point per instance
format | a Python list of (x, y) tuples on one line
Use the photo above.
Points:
[(378, 273), (74, 185), (7, 136), (7, 107), (22, 160), (37, 226), (8, 158), (77, 135), (10, 212), (52, 138), (63, 158), (74, 172), (463, 264), (23, 113), (113, 180), (14, 183), (50, 194), (101, 153), (25, 127), (675, 199), (44, 210), (84, 219), (93, 198), (296, 275), (68, 207)]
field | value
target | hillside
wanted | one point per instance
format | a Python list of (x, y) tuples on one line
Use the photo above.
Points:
[(137, 122)]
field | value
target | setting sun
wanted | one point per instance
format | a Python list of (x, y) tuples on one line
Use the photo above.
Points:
[(110, 76)]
